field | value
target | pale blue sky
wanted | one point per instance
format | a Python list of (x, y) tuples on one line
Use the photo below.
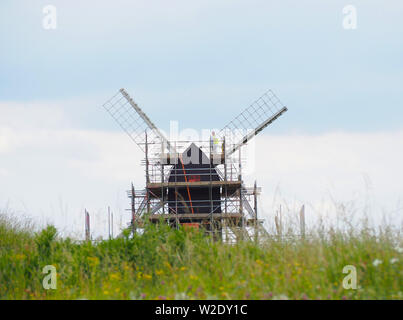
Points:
[(210, 57)]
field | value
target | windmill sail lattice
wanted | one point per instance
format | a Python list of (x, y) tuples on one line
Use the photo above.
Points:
[(136, 123), (251, 121)]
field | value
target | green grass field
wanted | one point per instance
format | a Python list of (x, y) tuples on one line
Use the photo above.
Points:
[(177, 264)]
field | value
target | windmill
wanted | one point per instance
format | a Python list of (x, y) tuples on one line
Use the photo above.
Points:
[(194, 183)]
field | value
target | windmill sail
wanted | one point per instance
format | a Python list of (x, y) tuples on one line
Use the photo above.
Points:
[(136, 123), (251, 121)]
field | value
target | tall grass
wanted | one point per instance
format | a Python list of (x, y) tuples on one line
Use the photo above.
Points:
[(164, 263)]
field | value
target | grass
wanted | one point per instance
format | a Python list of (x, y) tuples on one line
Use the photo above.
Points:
[(180, 264)]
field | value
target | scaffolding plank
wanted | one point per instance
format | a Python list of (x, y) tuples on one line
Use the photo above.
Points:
[(195, 216), (204, 184)]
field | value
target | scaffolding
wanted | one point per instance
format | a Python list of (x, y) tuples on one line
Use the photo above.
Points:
[(205, 192)]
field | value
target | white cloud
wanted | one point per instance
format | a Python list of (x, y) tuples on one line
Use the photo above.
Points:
[(362, 170), (53, 172), (4, 136), (3, 172)]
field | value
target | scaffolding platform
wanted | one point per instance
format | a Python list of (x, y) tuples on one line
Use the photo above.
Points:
[(155, 189), (195, 217)]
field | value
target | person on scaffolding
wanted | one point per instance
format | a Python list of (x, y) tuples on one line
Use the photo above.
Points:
[(215, 143)]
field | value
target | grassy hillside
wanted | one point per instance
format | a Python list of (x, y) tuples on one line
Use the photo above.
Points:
[(177, 264)]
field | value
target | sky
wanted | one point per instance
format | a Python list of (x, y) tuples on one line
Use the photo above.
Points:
[(199, 63)]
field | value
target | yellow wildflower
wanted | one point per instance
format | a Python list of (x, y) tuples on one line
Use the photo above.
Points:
[(147, 276), (93, 261), (115, 276), (19, 257)]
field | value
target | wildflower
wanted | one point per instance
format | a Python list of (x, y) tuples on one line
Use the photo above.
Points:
[(147, 276), (399, 249), (281, 297), (114, 276), (19, 257), (376, 262), (192, 277), (93, 261), (182, 269), (394, 260), (143, 296), (181, 296), (159, 272), (224, 294)]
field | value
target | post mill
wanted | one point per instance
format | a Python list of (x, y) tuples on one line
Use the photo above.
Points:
[(196, 184)]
